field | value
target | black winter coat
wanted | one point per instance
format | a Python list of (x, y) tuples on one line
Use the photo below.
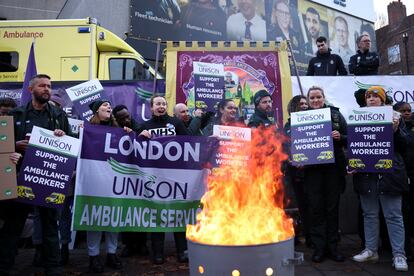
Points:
[(364, 63), (57, 120), (326, 64), (388, 183), (260, 118), (164, 125)]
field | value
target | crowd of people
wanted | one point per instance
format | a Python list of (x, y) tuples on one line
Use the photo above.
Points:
[(317, 188)]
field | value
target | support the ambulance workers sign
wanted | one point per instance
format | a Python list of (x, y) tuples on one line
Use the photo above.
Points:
[(311, 137), (47, 168), (208, 84), (370, 139), (84, 94), (127, 182)]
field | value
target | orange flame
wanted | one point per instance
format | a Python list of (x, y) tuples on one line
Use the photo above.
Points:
[(244, 205)]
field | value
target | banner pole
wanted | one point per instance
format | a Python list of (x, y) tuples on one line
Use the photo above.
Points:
[(292, 55), (156, 66)]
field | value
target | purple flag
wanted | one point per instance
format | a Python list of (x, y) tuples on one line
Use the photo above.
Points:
[(30, 72)]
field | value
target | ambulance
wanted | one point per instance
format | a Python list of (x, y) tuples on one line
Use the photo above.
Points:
[(68, 50)]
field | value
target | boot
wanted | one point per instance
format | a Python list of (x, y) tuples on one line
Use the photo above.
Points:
[(95, 264), (38, 257), (157, 245), (113, 261), (64, 254)]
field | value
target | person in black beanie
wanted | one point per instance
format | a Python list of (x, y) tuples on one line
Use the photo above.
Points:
[(102, 115), (262, 109)]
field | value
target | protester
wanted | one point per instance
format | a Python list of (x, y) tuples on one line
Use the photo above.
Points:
[(324, 184), (226, 115), (262, 110), (194, 123), (408, 197), (135, 242), (123, 117), (364, 62), (295, 175), (385, 190), (161, 124), (102, 115), (325, 63), (65, 215), (6, 105), (38, 112)]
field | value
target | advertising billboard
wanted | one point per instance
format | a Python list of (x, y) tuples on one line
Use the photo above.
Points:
[(300, 21)]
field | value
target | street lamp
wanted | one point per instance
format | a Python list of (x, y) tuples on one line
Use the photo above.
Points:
[(405, 41)]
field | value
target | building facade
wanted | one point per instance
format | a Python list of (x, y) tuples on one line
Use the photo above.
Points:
[(396, 42)]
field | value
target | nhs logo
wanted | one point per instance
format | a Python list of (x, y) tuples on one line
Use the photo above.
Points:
[(340, 2)]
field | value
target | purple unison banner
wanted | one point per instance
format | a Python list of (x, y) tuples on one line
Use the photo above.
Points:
[(208, 85), (311, 137), (371, 139), (134, 95), (245, 74), (106, 143), (47, 168), (127, 182)]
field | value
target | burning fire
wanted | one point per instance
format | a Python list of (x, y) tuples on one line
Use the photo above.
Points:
[(244, 205)]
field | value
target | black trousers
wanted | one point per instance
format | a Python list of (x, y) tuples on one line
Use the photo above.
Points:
[(14, 215), (157, 242), (134, 239), (323, 187)]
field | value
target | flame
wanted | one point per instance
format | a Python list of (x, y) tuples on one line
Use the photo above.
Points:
[(244, 205)]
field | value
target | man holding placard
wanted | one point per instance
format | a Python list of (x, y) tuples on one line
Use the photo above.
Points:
[(39, 113)]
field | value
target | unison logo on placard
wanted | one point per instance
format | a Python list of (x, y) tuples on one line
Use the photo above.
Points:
[(54, 142), (366, 116)]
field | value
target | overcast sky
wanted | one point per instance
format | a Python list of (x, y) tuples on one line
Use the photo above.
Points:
[(381, 6)]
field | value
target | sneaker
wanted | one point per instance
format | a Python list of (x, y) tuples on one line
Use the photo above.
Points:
[(400, 263), (366, 256)]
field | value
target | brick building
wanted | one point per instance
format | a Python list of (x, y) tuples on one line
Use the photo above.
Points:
[(395, 42)]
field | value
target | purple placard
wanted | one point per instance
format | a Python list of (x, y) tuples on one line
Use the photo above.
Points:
[(371, 148), (250, 72), (81, 107), (209, 90), (44, 177), (312, 144)]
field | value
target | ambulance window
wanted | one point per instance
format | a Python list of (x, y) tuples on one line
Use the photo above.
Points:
[(115, 68), (127, 69), (9, 61)]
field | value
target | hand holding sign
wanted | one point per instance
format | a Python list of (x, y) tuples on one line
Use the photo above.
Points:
[(336, 135), (59, 132)]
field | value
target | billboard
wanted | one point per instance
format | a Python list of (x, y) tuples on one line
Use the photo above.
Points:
[(300, 21)]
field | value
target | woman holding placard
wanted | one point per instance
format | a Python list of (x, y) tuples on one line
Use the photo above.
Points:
[(226, 115), (385, 190), (324, 184)]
